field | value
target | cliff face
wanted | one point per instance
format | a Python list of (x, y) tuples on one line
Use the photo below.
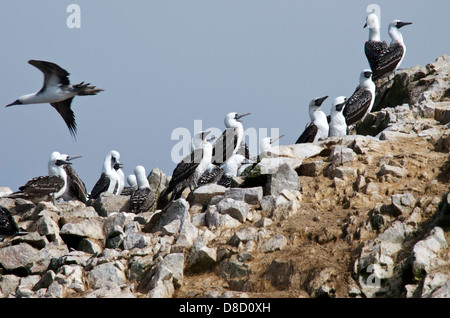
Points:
[(365, 215)]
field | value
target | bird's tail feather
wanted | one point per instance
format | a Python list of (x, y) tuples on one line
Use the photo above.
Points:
[(86, 89)]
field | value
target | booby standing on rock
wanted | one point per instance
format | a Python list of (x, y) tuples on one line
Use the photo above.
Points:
[(338, 126), (8, 226), (189, 170), (231, 141), (385, 60), (108, 181), (57, 91), (374, 47), (362, 99), (318, 127), (76, 189), (142, 199), (46, 188), (231, 169)]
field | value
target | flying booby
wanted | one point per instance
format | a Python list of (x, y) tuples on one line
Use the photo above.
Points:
[(189, 170), (384, 59), (76, 189), (231, 141), (362, 99), (318, 127), (57, 91), (338, 126), (46, 188), (8, 226), (143, 198), (108, 181)]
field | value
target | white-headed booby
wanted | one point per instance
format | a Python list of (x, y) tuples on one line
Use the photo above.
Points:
[(231, 141), (57, 91), (142, 199), (383, 59), (8, 226), (108, 181), (267, 142), (338, 126), (46, 188), (362, 99), (318, 127)]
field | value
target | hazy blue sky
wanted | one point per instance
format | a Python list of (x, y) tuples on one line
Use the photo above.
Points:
[(164, 64)]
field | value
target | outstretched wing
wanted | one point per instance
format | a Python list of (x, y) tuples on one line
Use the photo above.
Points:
[(53, 74), (67, 114)]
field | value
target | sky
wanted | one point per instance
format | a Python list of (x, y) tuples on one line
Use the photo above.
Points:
[(167, 64)]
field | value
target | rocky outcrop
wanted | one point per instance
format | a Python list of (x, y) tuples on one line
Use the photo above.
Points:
[(364, 215)]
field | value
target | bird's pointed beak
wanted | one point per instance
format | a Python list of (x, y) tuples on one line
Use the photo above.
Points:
[(16, 102), (272, 140), (319, 101), (118, 165), (402, 24), (340, 106), (237, 117), (70, 158), (365, 25), (61, 162)]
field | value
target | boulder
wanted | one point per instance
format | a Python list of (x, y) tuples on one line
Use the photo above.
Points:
[(202, 257), (284, 178), (204, 194), (426, 253), (106, 274), (251, 196), (108, 203), (178, 210), (234, 208)]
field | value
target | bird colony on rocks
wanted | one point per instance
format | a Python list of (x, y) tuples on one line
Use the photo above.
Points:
[(358, 207)]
